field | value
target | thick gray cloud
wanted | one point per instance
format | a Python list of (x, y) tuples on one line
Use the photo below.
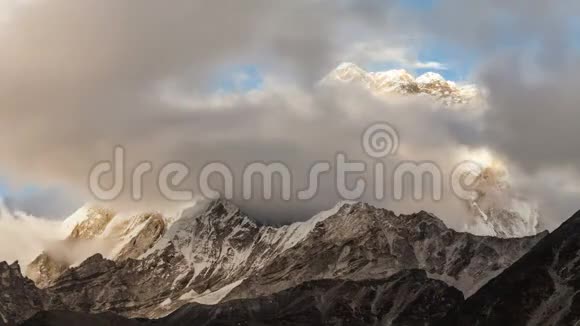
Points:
[(301, 128), (534, 119), (79, 77)]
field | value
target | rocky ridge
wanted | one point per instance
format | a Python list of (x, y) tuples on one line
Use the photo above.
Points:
[(215, 253), (542, 288), (407, 298), (97, 230)]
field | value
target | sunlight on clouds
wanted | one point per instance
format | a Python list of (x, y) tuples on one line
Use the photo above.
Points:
[(484, 158)]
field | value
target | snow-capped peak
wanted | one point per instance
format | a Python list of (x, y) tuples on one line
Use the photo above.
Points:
[(393, 74), (76, 218), (498, 211), (429, 78), (400, 81), (348, 72), (391, 77), (348, 66)]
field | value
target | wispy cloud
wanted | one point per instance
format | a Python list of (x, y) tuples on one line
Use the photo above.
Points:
[(378, 52)]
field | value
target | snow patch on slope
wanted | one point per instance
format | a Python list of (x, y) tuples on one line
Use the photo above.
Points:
[(76, 218), (429, 78), (297, 232), (210, 298), (4, 320)]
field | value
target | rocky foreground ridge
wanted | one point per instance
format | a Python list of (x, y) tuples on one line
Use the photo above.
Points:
[(407, 298), (540, 289)]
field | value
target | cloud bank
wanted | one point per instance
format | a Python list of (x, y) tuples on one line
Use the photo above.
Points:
[(78, 78)]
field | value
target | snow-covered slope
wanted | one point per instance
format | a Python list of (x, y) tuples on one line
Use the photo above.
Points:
[(498, 211), (399, 81)]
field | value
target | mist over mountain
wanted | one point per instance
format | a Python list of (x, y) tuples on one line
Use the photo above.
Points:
[(114, 88), (458, 118)]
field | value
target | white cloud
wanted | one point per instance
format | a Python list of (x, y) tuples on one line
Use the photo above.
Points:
[(24, 238), (379, 52), (430, 65)]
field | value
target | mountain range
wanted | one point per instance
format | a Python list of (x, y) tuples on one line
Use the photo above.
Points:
[(539, 288), (212, 253), (401, 82)]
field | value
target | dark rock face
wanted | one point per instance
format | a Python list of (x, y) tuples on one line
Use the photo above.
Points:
[(19, 297), (363, 242), (408, 298), (69, 318), (100, 285), (542, 288)]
